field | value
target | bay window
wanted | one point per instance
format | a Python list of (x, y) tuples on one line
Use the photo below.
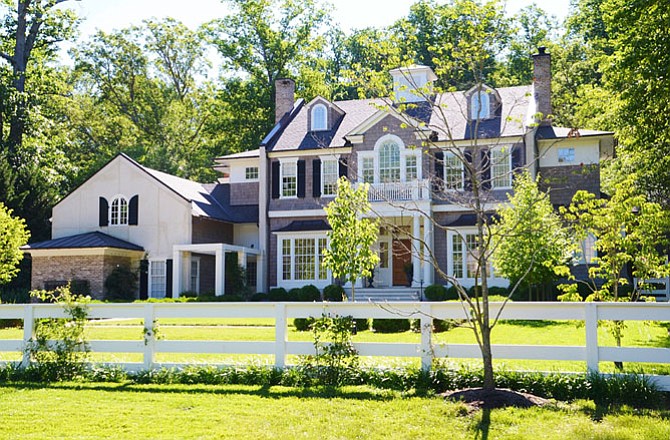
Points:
[(300, 261)]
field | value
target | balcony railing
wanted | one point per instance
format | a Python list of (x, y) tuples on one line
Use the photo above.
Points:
[(399, 191)]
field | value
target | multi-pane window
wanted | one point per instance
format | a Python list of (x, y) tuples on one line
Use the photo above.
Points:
[(465, 253), (368, 172), (195, 275), (384, 254), (501, 168), (158, 278), (329, 174), (566, 155), (411, 168), (289, 179), (118, 212), (453, 172), (479, 105), (389, 162), (302, 259), (251, 173), (588, 251), (319, 117), (457, 256)]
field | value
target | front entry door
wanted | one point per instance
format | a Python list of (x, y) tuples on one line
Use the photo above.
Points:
[(402, 255)]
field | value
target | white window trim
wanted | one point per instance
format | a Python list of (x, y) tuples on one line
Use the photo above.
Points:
[(109, 212), (246, 168), (404, 154), (314, 127), (466, 281), (150, 281), (510, 179), (282, 163), (291, 283), (461, 187), (335, 159), (190, 275)]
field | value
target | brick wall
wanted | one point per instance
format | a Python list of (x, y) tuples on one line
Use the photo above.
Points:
[(564, 181)]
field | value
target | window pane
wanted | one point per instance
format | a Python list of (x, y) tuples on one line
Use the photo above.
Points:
[(457, 256), (368, 170), (479, 105), (471, 255), (158, 279), (566, 155), (389, 162), (304, 259), (384, 255), (329, 175), (319, 118), (453, 172), (195, 275), (501, 168), (323, 271), (411, 171), (118, 214), (289, 179), (251, 173)]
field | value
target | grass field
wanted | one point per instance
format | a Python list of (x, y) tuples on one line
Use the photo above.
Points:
[(637, 334), (86, 411)]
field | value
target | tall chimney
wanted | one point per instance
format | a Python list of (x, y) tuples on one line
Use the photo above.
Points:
[(542, 84), (284, 97)]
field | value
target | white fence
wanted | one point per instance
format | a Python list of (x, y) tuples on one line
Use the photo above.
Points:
[(280, 348)]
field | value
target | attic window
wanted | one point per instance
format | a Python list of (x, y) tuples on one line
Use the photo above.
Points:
[(319, 118), (118, 213), (480, 105)]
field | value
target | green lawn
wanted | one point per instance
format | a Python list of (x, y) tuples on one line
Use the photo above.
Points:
[(86, 411), (638, 334)]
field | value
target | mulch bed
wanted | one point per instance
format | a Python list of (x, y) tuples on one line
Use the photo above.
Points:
[(478, 398)]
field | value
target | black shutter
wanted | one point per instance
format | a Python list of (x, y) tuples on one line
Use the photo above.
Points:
[(144, 279), (485, 166), (467, 179), (103, 219), (316, 178), (343, 168), (301, 179), (168, 278), (275, 179), (517, 163), (438, 179), (133, 207)]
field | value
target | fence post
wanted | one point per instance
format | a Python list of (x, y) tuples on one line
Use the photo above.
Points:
[(280, 335), (28, 332), (149, 337), (591, 325), (426, 337)]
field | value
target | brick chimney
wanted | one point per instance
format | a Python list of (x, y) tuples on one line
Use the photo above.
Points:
[(284, 97), (542, 84)]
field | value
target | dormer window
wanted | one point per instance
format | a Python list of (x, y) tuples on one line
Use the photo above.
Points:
[(319, 118), (480, 105), (118, 211)]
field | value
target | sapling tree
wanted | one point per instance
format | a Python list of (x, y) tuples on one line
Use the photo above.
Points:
[(350, 255), (13, 235)]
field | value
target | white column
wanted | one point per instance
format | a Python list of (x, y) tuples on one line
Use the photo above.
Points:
[(427, 246), (263, 221), (219, 272), (259, 274), (416, 248), (242, 258), (177, 273)]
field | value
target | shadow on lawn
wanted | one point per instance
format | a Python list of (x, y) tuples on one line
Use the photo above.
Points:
[(533, 324), (270, 392)]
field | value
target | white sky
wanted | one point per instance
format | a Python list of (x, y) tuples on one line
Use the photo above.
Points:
[(351, 14)]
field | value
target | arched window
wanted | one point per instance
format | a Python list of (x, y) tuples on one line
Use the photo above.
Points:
[(479, 105), (389, 162), (319, 118), (118, 211)]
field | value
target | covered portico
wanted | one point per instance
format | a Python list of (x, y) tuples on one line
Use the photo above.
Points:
[(182, 256)]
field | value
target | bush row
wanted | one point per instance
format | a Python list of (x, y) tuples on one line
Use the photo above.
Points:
[(385, 325), (439, 292), (621, 389)]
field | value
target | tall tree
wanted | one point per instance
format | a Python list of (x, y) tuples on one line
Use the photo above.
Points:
[(13, 235)]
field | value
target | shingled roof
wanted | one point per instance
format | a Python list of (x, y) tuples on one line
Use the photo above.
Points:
[(88, 240)]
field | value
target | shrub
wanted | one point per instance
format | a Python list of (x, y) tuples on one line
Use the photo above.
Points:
[(303, 324), (391, 325), (259, 297), (294, 294), (220, 298), (498, 291), (120, 285), (452, 294), (362, 324), (334, 293), (435, 292), (189, 294), (278, 294), (310, 293), (15, 296)]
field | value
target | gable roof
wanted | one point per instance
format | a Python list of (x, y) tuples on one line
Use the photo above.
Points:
[(448, 117), (88, 240)]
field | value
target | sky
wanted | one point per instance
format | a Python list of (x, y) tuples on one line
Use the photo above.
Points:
[(108, 15)]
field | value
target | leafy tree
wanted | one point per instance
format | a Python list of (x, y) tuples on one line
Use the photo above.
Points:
[(13, 235), (350, 255), (533, 246)]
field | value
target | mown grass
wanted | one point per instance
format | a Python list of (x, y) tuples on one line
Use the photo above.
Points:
[(78, 411)]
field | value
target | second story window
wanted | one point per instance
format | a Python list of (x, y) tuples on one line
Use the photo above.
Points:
[(251, 173), (389, 162), (411, 168), (329, 176), (118, 211), (289, 179), (368, 172), (566, 155), (501, 167), (453, 172), (319, 118)]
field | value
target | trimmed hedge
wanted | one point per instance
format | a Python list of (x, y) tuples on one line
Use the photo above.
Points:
[(278, 294), (391, 325), (334, 293), (435, 292), (310, 293)]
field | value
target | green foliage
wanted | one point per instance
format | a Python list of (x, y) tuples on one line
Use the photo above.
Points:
[(435, 292), (303, 324), (121, 284), (294, 294), (334, 293), (278, 294), (532, 247), (310, 293), (59, 348), (350, 255), (335, 358), (13, 235), (390, 325)]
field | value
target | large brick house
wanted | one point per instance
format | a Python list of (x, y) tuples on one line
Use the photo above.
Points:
[(269, 207)]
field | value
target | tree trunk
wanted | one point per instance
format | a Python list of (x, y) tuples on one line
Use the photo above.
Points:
[(487, 357)]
